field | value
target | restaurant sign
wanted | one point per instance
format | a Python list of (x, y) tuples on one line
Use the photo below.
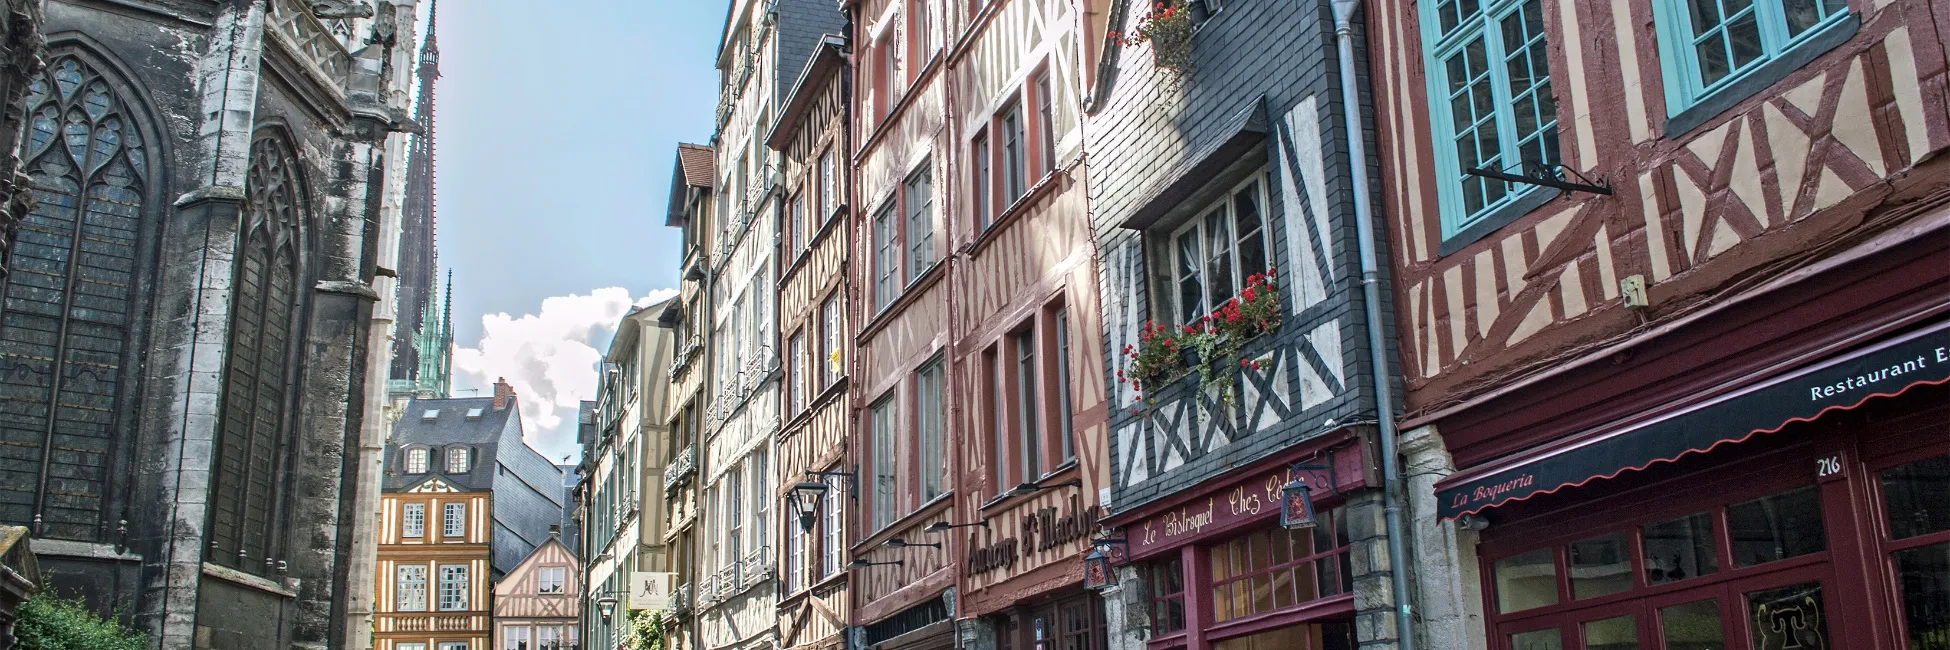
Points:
[(1040, 530), (1248, 499)]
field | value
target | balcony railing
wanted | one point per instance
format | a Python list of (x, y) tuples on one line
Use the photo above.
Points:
[(432, 623), (680, 601), (681, 467)]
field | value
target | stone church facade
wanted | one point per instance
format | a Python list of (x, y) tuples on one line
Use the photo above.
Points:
[(186, 333)]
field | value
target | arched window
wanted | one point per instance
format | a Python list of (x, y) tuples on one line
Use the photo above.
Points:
[(459, 460), (253, 437), (416, 460), (65, 337)]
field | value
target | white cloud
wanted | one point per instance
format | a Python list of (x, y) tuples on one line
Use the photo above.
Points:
[(549, 358)]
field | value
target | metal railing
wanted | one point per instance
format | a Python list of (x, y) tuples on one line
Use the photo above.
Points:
[(681, 467)]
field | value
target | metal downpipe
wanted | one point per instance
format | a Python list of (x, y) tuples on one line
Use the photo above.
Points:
[(1391, 473)]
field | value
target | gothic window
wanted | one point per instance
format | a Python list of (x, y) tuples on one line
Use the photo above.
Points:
[(66, 334), (253, 436)]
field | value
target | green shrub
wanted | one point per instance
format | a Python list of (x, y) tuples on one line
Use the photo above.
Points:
[(46, 622)]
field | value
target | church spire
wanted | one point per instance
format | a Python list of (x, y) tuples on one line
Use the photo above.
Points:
[(419, 258)]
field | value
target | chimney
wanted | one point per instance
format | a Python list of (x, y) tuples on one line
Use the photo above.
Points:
[(555, 531), (502, 393)]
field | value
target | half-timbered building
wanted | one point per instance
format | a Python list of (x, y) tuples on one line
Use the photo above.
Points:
[(691, 198), (898, 313), (1671, 282), (623, 518), (1029, 459), (811, 466), (764, 44), (464, 502), (1222, 207), (189, 306), (536, 606)]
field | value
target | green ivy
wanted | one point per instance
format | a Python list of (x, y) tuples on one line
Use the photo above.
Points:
[(46, 622), (646, 630)]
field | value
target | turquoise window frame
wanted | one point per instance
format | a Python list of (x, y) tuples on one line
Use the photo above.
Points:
[(1679, 61), (1459, 225)]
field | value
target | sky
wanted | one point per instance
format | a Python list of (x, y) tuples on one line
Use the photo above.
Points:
[(557, 124)]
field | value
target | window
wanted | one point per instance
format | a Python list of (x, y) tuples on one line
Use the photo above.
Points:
[(1214, 253), (1280, 569), (1491, 101), (929, 424), (413, 520), (761, 496), (1012, 154), (830, 363), (1028, 406), (886, 257), (1708, 45), (516, 638), (1064, 425), (1045, 123), (548, 634), (919, 197), (260, 362), (410, 588), (417, 460), (453, 520), (410, 646), (835, 544), (453, 587), (734, 531), (430, 415), (998, 421), (921, 32), (799, 236), (475, 413), (1914, 497), (795, 374), (829, 188), (457, 460), (453, 645), (794, 574), (978, 154), (1167, 581), (551, 580), (886, 485)]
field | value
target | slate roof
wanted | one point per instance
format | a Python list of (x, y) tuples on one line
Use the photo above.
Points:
[(801, 25), (528, 496)]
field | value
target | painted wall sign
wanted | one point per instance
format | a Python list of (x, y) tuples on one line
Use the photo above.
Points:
[(1041, 530), (1248, 499)]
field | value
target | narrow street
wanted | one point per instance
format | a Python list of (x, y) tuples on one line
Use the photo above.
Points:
[(975, 325)]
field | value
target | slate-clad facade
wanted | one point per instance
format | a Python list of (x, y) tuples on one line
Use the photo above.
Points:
[(185, 340), (1235, 163)]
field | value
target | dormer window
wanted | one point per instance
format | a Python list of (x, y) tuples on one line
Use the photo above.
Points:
[(474, 413), (416, 460), (430, 415), (458, 460)]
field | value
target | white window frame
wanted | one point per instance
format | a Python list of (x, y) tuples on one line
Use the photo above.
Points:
[(453, 519), (1181, 313), (459, 460), (417, 459), (454, 587), (551, 580), (881, 417), (413, 520), (410, 588)]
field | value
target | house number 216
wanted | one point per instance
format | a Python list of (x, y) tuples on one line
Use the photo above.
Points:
[(1830, 466)]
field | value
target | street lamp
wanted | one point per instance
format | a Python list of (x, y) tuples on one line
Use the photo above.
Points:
[(804, 499), (903, 543), (1032, 488), (943, 526), (1296, 505), (606, 606), (862, 564), (1097, 573)]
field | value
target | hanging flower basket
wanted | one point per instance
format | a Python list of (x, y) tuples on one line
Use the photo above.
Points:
[(1168, 28), (1163, 354)]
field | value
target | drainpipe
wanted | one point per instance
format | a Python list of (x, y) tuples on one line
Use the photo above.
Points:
[(1391, 472)]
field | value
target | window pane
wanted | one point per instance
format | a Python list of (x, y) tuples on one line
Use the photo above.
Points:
[(1744, 35), (1617, 633), (1029, 407), (1537, 640), (1526, 581), (1924, 574), (1917, 497), (1190, 282), (1218, 260), (884, 462), (1777, 527), (1248, 223), (1712, 52), (1679, 549), (1600, 566), (1692, 626), (1788, 617)]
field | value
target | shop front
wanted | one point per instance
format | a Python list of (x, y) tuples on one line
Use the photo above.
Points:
[(1806, 507), (1216, 569)]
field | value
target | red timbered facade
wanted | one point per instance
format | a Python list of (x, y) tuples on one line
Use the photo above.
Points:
[(1674, 379), (813, 247)]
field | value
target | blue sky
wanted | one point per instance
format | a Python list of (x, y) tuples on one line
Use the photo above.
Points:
[(557, 126)]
